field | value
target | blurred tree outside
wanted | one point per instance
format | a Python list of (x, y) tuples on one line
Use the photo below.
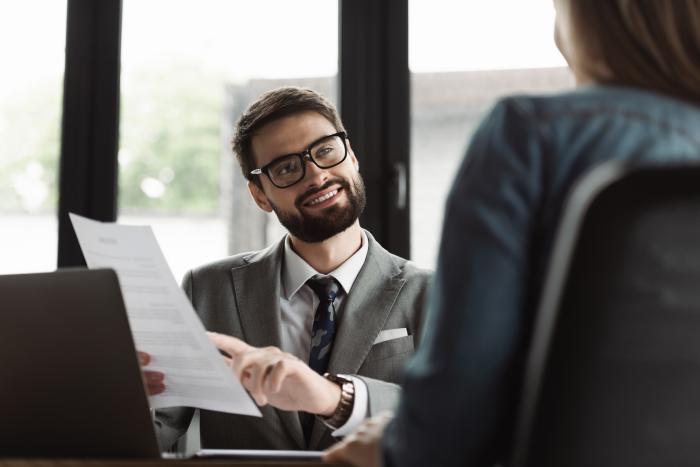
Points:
[(29, 148), (170, 141), (169, 152)]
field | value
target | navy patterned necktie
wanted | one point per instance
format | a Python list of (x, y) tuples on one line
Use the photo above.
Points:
[(323, 331)]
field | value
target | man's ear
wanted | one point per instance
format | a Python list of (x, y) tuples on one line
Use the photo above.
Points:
[(259, 197)]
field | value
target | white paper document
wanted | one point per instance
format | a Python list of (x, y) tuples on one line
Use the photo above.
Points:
[(162, 320)]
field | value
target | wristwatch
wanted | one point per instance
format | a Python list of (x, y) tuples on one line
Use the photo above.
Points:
[(344, 408)]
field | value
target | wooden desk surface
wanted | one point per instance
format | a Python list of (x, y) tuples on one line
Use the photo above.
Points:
[(155, 463)]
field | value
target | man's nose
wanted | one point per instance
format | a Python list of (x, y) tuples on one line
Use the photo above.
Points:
[(314, 172)]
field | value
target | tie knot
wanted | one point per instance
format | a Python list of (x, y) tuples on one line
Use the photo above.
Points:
[(326, 287)]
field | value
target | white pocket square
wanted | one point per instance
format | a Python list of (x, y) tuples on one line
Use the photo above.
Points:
[(390, 334)]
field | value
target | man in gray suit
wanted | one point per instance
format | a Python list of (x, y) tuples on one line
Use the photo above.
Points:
[(318, 326)]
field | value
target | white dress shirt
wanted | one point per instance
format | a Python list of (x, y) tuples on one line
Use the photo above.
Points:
[(298, 305)]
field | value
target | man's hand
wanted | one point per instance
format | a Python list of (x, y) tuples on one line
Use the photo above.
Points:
[(278, 378), (152, 379), (363, 446)]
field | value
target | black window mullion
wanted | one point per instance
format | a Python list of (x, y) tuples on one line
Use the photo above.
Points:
[(89, 132), (374, 104)]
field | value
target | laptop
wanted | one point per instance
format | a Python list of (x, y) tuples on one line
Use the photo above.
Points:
[(70, 382)]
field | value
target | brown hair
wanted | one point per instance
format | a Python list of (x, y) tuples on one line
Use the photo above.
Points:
[(273, 105), (652, 44)]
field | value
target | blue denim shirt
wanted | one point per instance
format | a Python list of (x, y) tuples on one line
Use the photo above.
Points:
[(461, 387)]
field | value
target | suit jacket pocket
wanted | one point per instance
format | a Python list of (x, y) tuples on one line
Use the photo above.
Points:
[(390, 348), (385, 360)]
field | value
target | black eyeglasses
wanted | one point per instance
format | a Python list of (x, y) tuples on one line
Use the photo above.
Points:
[(325, 152)]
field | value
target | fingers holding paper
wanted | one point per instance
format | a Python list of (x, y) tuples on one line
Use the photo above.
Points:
[(153, 380), (280, 379)]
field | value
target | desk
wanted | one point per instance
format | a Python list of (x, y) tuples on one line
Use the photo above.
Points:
[(156, 463)]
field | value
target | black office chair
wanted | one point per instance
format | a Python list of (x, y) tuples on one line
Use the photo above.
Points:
[(613, 376)]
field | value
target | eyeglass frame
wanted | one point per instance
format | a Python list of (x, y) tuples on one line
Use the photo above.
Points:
[(304, 156)]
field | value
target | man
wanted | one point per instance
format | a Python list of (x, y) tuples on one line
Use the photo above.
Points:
[(328, 294)]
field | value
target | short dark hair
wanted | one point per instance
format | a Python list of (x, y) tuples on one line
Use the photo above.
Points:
[(273, 105)]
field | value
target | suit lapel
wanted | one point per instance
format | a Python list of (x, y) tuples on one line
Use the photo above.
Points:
[(257, 289), (257, 293), (365, 310), (362, 315)]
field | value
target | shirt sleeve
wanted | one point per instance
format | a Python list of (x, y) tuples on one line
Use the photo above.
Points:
[(359, 408), (457, 405)]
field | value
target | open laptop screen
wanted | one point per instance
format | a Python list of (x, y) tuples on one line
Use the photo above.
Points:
[(70, 383)]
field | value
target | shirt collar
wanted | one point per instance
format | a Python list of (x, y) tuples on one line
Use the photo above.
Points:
[(296, 271)]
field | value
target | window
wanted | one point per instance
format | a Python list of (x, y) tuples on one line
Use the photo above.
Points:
[(32, 49), (463, 56), (188, 70)]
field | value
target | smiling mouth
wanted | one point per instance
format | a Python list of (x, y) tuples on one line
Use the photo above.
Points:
[(322, 198)]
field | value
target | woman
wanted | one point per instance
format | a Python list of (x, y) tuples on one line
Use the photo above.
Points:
[(638, 66)]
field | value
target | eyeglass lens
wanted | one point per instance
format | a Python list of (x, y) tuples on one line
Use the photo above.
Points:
[(326, 153)]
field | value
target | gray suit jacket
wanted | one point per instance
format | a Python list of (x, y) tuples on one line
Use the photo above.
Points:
[(239, 296)]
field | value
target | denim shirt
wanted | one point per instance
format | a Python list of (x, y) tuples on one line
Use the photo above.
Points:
[(460, 389)]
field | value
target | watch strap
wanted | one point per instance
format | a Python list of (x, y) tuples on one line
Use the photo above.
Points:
[(343, 410)]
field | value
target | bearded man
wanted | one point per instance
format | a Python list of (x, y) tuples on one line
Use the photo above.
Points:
[(318, 326)]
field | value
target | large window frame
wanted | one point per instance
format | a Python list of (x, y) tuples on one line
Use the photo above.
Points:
[(90, 124), (374, 94)]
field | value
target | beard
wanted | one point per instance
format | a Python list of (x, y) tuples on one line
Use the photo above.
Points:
[(332, 220)]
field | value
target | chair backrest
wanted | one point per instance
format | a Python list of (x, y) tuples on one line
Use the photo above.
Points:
[(613, 375)]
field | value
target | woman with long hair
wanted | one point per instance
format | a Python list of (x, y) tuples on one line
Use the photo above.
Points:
[(637, 64)]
